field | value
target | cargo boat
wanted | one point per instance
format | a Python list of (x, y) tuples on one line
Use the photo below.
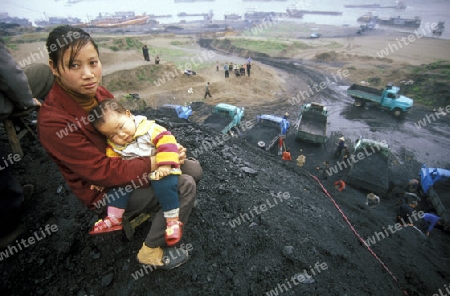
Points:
[(401, 22), (321, 12), (439, 29), (295, 13), (398, 5), (362, 5), (118, 19), (232, 16), (254, 15)]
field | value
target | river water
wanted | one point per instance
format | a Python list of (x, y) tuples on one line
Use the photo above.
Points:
[(431, 11)]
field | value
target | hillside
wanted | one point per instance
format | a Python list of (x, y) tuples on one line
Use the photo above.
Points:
[(258, 222)]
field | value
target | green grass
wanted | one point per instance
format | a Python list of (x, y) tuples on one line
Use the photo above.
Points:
[(128, 43), (259, 46), (272, 47), (12, 46), (178, 43), (143, 75)]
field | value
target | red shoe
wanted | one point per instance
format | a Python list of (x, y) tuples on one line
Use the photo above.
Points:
[(174, 232), (109, 224)]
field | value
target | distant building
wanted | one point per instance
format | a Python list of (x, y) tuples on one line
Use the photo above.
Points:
[(5, 19), (52, 21)]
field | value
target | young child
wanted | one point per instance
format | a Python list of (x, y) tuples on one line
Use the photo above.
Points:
[(131, 136)]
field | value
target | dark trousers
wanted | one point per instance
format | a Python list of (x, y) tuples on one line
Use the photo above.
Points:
[(11, 198), (227, 74), (207, 93), (119, 197), (144, 200)]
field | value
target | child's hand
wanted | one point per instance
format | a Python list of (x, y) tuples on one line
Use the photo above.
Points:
[(98, 188)]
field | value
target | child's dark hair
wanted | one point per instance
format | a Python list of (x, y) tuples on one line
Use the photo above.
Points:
[(105, 106), (64, 38)]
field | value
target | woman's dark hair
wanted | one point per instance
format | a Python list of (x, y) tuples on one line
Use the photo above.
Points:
[(64, 38)]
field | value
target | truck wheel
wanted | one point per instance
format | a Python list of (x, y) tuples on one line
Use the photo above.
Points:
[(397, 112), (359, 102)]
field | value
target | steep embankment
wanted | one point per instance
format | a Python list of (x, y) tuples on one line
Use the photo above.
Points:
[(260, 226)]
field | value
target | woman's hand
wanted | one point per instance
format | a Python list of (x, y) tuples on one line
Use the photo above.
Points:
[(36, 102), (182, 153)]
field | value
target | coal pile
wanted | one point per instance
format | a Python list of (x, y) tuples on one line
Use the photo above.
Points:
[(260, 227)]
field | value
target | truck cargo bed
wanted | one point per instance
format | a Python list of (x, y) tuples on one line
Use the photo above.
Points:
[(315, 128), (312, 127), (261, 133), (365, 92), (370, 173), (217, 121)]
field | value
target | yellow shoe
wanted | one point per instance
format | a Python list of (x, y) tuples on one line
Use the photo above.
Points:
[(150, 256), (159, 258)]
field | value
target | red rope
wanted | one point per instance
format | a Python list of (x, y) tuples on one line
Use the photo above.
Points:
[(355, 232)]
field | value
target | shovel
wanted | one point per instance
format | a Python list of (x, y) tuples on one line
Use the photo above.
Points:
[(420, 231)]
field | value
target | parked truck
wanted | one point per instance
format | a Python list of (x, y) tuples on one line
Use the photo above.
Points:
[(388, 98), (267, 131), (224, 117), (311, 124), (428, 178), (181, 111), (369, 166)]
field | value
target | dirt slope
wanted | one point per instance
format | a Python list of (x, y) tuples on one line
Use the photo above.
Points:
[(258, 222)]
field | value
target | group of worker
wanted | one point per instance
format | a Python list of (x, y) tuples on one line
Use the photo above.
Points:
[(406, 209), (409, 204), (239, 70)]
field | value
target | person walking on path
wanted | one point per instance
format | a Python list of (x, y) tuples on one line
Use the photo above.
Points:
[(225, 68), (145, 53), (217, 65), (249, 66), (207, 91)]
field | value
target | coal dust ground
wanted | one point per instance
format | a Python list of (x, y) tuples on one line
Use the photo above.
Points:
[(258, 223)]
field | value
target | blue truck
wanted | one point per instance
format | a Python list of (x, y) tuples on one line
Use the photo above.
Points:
[(388, 98), (181, 111), (225, 117), (428, 178), (267, 131)]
